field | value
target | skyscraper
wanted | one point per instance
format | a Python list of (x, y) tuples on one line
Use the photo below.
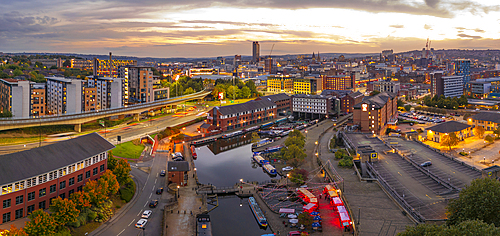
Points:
[(255, 52)]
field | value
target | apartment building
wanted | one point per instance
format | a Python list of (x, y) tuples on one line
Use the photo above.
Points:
[(109, 92), (283, 102), (449, 86), (312, 107), (138, 82), (280, 84), (338, 82), (307, 86), (387, 86), (38, 99), (64, 95), (374, 113)]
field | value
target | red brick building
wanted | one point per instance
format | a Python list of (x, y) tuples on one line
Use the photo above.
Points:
[(374, 113), (30, 179), (241, 115), (348, 101), (282, 101), (177, 172), (338, 82)]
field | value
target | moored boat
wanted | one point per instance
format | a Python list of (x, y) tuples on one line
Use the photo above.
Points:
[(269, 169), (258, 158), (257, 212)]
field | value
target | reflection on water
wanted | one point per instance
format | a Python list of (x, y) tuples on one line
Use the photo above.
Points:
[(227, 168), (232, 219), (222, 145)]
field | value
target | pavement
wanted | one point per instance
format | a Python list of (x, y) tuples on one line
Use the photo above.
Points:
[(181, 220)]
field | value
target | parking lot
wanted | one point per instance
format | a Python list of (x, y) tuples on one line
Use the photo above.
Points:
[(423, 193)]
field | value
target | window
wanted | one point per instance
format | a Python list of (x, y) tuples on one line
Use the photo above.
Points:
[(20, 199), (71, 181), (19, 213), (42, 192), (62, 195), (53, 188), (50, 200), (31, 208), (94, 171), (6, 203), (71, 192), (102, 168), (62, 185), (6, 217), (80, 177), (87, 174), (79, 188), (41, 205)]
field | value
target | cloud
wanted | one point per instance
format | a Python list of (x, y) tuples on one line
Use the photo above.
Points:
[(468, 36), (397, 26), (479, 30), (16, 23), (432, 3), (427, 27)]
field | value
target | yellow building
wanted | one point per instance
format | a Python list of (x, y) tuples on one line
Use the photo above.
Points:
[(280, 84), (307, 86), (436, 133), (488, 120)]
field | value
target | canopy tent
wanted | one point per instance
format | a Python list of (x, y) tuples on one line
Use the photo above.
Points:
[(287, 210), (293, 221), (314, 213), (316, 224), (292, 216), (317, 217), (309, 207), (336, 201)]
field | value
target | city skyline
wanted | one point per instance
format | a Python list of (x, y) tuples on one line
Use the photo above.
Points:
[(221, 28)]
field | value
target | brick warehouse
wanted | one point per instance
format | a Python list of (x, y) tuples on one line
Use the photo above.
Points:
[(31, 179), (241, 115)]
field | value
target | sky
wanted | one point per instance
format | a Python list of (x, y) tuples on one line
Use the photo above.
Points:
[(211, 28)]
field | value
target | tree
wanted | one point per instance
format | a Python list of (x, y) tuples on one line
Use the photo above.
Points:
[(489, 138), (295, 140), (17, 72), (64, 211), (294, 152), (112, 161), (189, 91), (218, 89), (374, 92), (469, 227), (251, 85), (255, 137), (40, 224), (305, 219), (478, 201), (245, 92), (462, 101), (232, 90), (400, 103), (67, 63), (407, 107), (98, 191), (297, 133), (450, 140), (479, 131), (179, 137), (110, 178), (122, 171), (13, 231), (81, 199)]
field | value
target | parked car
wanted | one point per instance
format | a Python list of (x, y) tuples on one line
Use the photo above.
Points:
[(411, 124), (147, 213), (287, 168), (141, 223), (425, 164), (178, 159), (162, 173), (159, 191), (153, 203)]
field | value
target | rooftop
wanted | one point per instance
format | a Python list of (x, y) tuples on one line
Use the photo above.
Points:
[(33, 162), (276, 97), (177, 166), (61, 79), (487, 116), (247, 106), (378, 101), (311, 96), (449, 127)]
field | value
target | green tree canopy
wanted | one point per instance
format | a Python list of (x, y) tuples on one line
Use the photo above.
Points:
[(189, 91), (40, 224), (469, 227), (489, 138), (478, 201), (294, 152), (479, 131), (450, 140), (297, 133), (295, 140), (64, 211)]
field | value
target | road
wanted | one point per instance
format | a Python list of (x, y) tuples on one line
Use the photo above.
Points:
[(147, 184), (127, 133)]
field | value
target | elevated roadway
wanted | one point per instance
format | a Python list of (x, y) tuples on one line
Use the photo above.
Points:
[(79, 118)]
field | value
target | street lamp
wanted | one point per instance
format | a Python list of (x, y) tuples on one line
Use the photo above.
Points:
[(306, 133), (178, 191), (316, 142), (287, 176)]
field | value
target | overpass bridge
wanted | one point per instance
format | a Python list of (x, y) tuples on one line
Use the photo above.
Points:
[(78, 119)]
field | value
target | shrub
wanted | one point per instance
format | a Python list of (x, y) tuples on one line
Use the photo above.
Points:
[(128, 192), (346, 162), (339, 154), (464, 153), (91, 216)]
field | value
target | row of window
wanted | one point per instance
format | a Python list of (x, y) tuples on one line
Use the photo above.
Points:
[(51, 175)]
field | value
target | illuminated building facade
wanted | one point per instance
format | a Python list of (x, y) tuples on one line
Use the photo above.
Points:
[(374, 113)]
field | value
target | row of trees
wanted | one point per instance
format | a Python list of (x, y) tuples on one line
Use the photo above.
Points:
[(240, 89), (474, 212), (451, 139), (443, 102), (91, 204), (183, 86)]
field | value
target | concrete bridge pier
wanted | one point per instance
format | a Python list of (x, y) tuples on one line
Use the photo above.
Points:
[(78, 128), (136, 117)]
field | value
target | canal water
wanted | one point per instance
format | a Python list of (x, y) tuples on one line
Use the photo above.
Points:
[(224, 163)]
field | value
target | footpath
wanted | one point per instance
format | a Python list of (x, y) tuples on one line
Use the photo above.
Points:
[(373, 211)]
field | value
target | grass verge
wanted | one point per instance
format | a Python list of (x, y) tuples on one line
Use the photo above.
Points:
[(128, 150)]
